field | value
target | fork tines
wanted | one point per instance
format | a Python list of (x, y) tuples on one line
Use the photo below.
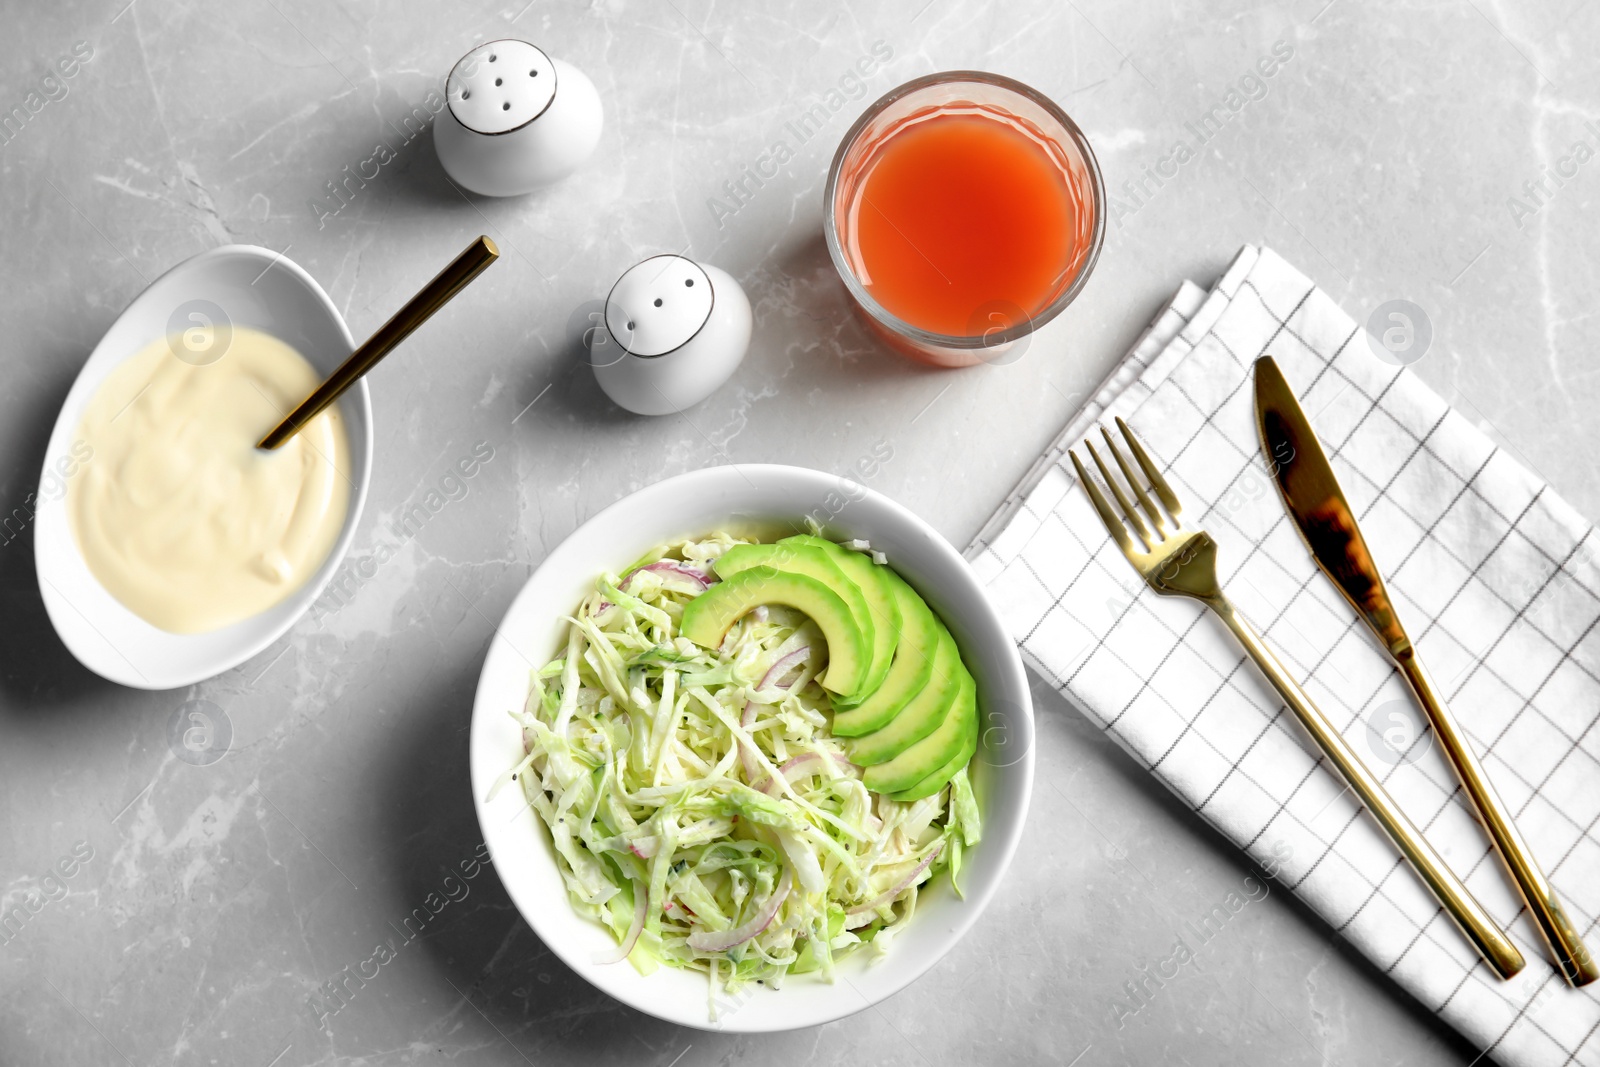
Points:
[(1160, 527)]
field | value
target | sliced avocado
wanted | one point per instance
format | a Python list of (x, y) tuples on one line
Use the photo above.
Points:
[(908, 674), (921, 715), (907, 772), (813, 563), (708, 617), (941, 777), (881, 601)]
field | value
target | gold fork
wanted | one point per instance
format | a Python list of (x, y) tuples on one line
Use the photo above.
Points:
[(1181, 561)]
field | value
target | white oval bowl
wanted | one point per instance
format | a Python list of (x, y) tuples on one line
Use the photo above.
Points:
[(735, 497), (257, 288)]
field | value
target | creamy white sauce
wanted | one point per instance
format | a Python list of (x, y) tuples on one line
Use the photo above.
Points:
[(180, 516)]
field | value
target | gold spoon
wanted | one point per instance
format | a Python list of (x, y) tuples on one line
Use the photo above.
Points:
[(419, 309)]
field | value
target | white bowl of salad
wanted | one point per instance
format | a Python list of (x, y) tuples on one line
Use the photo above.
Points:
[(752, 750)]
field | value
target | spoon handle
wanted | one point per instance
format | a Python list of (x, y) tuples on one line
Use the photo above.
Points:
[(433, 296)]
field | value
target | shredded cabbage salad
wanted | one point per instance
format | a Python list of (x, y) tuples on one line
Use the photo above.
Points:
[(698, 803)]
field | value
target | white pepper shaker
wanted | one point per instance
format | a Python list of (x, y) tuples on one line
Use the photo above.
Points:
[(516, 119), (675, 331)]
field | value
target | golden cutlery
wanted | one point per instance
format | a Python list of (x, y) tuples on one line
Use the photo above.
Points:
[(1317, 504), (418, 310), (1179, 561)]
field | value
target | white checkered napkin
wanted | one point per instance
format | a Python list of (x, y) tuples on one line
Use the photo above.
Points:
[(1495, 576)]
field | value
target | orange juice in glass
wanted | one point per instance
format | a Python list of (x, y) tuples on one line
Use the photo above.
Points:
[(964, 210)]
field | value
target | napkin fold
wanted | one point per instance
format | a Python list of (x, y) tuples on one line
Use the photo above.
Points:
[(1495, 576)]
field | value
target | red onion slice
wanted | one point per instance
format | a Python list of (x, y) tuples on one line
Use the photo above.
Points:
[(784, 666), (883, 898), (799, 767), (645, 847), (723, 940), (672, 567), (641, 901)]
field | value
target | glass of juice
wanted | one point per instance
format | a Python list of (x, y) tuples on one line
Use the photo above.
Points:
[(964, 210)]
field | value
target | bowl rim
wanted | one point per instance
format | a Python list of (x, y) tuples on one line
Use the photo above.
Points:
[(1003, 839), (359, 400)]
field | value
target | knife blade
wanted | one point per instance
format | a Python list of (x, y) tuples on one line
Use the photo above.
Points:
[(1318, 506), (1319, 510)]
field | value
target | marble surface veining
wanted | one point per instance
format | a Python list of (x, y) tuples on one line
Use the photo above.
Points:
[(1417, 151)]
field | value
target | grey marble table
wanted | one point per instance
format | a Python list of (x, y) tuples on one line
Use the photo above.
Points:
[(1419, 152)]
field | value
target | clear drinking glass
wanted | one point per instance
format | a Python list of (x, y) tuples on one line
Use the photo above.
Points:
[(995, 97)]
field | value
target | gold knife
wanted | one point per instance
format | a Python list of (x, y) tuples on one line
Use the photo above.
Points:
[(1312, 496)]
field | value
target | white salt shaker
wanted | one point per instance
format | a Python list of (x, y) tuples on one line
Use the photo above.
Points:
[(675, 331), (516, 119)]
